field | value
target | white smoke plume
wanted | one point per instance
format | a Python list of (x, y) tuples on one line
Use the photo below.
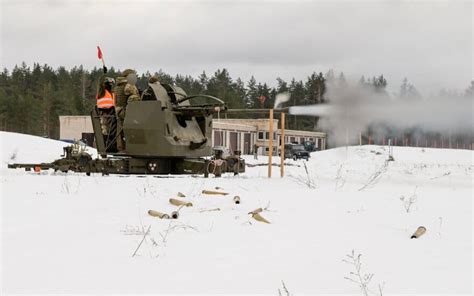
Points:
[(353, 108), (281, 98)]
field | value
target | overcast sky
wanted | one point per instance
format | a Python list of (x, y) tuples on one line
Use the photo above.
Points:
[(428, 42)]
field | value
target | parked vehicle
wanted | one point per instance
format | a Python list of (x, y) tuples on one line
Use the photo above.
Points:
[(310, 146), (296, 151)]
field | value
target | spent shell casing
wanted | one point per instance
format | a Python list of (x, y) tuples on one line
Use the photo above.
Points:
[(160, 215), (419, 232)]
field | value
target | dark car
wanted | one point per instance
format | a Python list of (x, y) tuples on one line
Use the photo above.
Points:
[(296, 151)]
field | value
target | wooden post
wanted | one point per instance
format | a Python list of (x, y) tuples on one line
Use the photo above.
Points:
[(282, 146), (270, 144)]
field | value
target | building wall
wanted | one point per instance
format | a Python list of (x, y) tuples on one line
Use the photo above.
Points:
[(225, 129), (72, 127)]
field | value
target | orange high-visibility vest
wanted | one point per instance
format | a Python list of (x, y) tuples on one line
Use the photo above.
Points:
[(107, 101)]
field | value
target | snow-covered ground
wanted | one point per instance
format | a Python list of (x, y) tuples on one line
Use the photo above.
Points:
[(69, 233)]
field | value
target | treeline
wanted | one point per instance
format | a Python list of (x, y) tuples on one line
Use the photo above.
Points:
[(31, 99)]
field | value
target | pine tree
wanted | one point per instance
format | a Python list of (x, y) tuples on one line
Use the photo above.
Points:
[(251, 97)]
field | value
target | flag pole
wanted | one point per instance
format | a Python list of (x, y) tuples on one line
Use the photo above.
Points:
[(101, 57)]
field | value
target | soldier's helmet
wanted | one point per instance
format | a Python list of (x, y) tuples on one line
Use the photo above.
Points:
[(153, 79), (127, 72), (109, 80)]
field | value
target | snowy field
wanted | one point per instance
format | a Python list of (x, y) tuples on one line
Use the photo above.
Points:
[(70, 234)]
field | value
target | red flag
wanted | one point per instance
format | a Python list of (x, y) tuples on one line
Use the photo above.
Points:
[(99, 53)]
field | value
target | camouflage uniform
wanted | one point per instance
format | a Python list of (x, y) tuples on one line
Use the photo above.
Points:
[(107, 115), (149, 94), (125, 92)]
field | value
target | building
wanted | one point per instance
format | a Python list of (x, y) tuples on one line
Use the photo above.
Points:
[(243, 134), (235, 134), (73, 128)]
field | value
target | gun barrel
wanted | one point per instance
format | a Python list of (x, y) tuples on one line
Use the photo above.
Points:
[(277, 110), (29, 166)]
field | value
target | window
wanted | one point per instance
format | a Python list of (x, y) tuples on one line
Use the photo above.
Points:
[(218, 138), (267, 135), (260, 135)]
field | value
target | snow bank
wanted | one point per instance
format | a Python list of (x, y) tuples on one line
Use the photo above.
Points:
[(69, 233), (22, 148)]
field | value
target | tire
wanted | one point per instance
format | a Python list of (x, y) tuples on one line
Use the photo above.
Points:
[(295, 157)]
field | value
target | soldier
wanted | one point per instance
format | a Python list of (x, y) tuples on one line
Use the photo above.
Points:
[(125, 92), (255, 151), (106, 107), (149, 94)]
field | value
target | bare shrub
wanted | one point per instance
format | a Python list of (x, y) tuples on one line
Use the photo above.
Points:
[(340, 179), (305, 180), (375, 177), (362, 280), (408, 202), (173, 226), (285, 290)]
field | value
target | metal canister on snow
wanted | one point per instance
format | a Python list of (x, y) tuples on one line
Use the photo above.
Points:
[(175, 214), (419, 232)]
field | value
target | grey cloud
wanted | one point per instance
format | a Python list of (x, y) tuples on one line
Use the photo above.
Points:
[(430, 43)]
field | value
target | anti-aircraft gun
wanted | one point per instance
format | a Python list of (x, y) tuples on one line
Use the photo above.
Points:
[(164, 134), (75, 158)]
